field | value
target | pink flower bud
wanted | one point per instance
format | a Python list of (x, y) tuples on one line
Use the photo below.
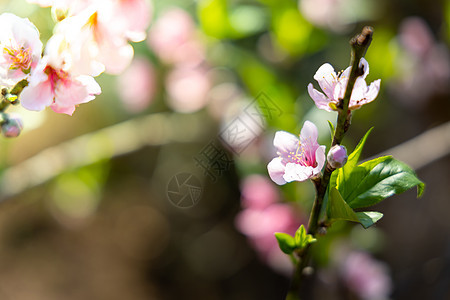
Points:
[(337, 156), (12, 127)]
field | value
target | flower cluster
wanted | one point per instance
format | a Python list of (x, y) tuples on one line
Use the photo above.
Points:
[(90, 37)]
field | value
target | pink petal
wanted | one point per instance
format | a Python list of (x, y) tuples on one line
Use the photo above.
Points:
[(73, 92), (37, 97), (296, 172), (320, 159), (276, 170), (285, 142), (327, 79), (319, 98), (309, 132), (359, 90), (68, 110), (373, 90)]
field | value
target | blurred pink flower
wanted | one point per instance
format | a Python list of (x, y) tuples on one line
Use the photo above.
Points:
[(260, 225), (423, 66), (137, 85), (188, 88), (258, 192), (132, 17), (20, 47), (334, 85), (299, 158), (52, 86), (173, 38), (365, 276)]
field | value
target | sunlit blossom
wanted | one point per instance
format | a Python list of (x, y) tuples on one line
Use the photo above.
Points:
[(333, 86), (91, 39), (299, 158), (137, 85), (188, 88), (51, 86), (20, 48), (173, 38)]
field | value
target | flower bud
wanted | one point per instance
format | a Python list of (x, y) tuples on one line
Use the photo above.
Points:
[(12, 126), (337, 156)]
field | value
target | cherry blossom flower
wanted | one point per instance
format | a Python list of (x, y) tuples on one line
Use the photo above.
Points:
[(188, 88), (299, 158), (51, 86), (20, 48), (262, 216), (334, 85), (258, 192), (130, 18), (92, 41), (365, 276), (137, 85), (173, 38)]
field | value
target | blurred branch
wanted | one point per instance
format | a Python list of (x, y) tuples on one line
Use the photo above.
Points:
[(152, 130)]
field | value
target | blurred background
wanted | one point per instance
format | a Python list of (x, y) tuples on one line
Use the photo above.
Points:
[(158, 189)]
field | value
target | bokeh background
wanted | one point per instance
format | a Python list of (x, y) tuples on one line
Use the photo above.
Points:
[(89, 207)]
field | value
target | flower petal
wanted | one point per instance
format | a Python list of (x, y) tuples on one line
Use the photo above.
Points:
[(373, 90), (309, 132), (285, 142), (327, 79), (319, 98), (365, 65), (276, 170), (296, 172), (37, 97), (320, 159)]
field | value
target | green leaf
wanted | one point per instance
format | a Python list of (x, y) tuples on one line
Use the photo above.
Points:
[(331, 128), (343, 173), (376, 180), (368, 218), (302, 239), (286, 242), (338, 209)]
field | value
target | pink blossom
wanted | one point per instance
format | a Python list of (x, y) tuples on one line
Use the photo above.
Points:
[(365, 276), (173, 38), (299, 158), (258, 192), (259, 225), (52, 86), (334, 85), (188, 88), (20, 48), (131, 17), (137, 85), (92, 41)]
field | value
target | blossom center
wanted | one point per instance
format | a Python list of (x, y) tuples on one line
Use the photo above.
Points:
[(301, 157), (55, 76), (19, 58)]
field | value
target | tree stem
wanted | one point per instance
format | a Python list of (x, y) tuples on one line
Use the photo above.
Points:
[(360, 43)]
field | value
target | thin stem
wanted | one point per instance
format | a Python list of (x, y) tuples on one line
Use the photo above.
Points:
[(359, 44)]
